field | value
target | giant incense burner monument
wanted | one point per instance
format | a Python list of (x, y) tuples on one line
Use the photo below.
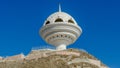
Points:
[(60, 30)]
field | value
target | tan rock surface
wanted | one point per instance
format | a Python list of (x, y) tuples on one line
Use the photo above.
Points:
[(54, 60)]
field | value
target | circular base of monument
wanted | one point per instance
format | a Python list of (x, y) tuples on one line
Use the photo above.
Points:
[(56, 34)]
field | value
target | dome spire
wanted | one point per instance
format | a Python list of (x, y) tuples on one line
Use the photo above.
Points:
[(59, 8)]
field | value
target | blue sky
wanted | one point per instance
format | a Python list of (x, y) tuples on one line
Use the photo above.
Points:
[(20, 21)]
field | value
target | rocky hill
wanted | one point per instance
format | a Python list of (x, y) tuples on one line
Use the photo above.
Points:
[(70, 58)]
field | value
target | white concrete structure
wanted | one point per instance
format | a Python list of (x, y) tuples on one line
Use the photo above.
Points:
[(60, 29)]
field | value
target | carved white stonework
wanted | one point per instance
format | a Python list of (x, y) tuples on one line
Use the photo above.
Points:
[(60, 29)]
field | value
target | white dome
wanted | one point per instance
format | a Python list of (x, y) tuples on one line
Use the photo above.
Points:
[(60, 17), (60, 29)]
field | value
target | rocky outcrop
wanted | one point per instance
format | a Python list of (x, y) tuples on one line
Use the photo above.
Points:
[(70, 58)]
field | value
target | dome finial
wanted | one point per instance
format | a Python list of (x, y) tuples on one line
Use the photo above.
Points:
[(59, 7)]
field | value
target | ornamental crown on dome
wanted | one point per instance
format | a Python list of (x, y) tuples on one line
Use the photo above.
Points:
[(60, 17)]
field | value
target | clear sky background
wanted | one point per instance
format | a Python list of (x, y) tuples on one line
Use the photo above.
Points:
[(20, 21)]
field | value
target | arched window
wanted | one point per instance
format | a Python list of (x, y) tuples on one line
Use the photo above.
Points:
[(48, 22), (71, 21), (59, 20)]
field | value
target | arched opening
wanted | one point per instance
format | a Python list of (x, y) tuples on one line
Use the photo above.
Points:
[(71, 21), (59, 20), (48, 22)]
